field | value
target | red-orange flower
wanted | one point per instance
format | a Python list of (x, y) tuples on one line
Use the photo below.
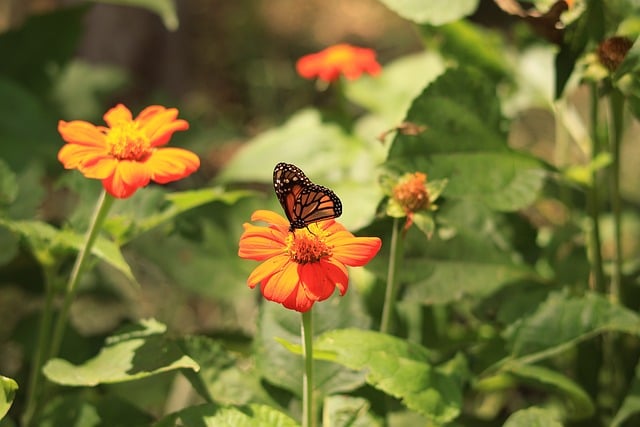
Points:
[(340, 59), (304, 266), (126, 155)]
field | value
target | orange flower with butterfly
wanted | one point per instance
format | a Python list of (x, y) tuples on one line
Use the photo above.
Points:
[(304, 257)]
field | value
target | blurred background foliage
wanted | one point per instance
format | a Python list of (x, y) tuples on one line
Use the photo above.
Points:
[(229, 67)]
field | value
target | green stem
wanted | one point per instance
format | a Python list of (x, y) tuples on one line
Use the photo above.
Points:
[(308, 407), (99, 215), (593, 198), (391, 291), (44, 331), (616, 112)]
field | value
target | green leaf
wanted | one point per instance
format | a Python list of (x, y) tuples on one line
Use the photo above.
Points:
[(391, 93), (8, 184), (561, 322), (434, 13), (402, 369), (465, 143), (284, 368), (8, 393), (78, 410), (533, 417), (166, 9), (328, 156), (578, 403), (348, 411), (141, 351), (210, 415), (631, 403)]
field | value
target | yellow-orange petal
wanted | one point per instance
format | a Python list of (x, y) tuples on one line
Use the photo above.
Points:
[(267, 269), (163, 133), (99, 167), (126, 179), (281, 284), (116, 115), (73, 156), (270, 217), (170, 164), (81, 133), (150, 112), (260, 243), (354, 251)]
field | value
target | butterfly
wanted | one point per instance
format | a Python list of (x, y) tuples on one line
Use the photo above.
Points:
[(303, 201)]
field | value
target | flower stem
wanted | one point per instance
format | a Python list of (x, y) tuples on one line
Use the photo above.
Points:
[(390, 291), (308, 407), (593, 202), (99, 215), (44, 330), (616, 112)]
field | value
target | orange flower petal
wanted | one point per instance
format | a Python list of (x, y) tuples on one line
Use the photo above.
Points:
[(270, 217), (162, 135), (337, 273), (99, 167), (81, 133), (316, 279), (260, 243), (117, 115), (267, 269), (298, 300), (127, 178), (73, 156), (354, 251), (170, 164), (281, 284)]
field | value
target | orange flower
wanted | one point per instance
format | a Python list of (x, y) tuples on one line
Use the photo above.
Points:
[(333, 61), (303, 266), (126, 155)]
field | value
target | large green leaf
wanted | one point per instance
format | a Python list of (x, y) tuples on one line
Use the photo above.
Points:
[(211, 415), (330, 157), (391, 93), (138, 352), (284, 368), (533, 417), (47, 243), (432, 12), (465, 142), (401, 369), (8, 388), (166, 9), (562, 321), (348, 411), (631, 403)]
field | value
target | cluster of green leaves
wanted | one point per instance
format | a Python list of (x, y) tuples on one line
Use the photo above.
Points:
[(496, 322)]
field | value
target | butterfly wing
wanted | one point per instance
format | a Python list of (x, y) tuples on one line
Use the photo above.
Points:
[(303, 202)]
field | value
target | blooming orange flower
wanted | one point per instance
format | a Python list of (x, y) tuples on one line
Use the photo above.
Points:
[(126, 155), (340, 59), (411, 194), (303, 266)]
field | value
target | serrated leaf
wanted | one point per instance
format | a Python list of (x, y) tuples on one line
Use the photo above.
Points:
[(348, 411), (434, 13), (137, 353), (8, 388), (533, 417), (285, 369), (578, 403), (466, 144), (210, 415), (401, 369), (561, 322), (166, 9)]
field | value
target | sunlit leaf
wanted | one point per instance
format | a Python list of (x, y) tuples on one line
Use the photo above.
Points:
[(434, 13), (561, 322), (141, 351), (8, 388), (401, 369), (166, 9), (211, 415), (347, 411)]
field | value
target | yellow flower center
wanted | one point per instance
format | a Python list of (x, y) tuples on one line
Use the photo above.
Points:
[(339, 55), (411, 192), (304, 247), (127, 141)]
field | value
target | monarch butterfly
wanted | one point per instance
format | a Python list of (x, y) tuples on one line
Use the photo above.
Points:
[(303, 201)]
